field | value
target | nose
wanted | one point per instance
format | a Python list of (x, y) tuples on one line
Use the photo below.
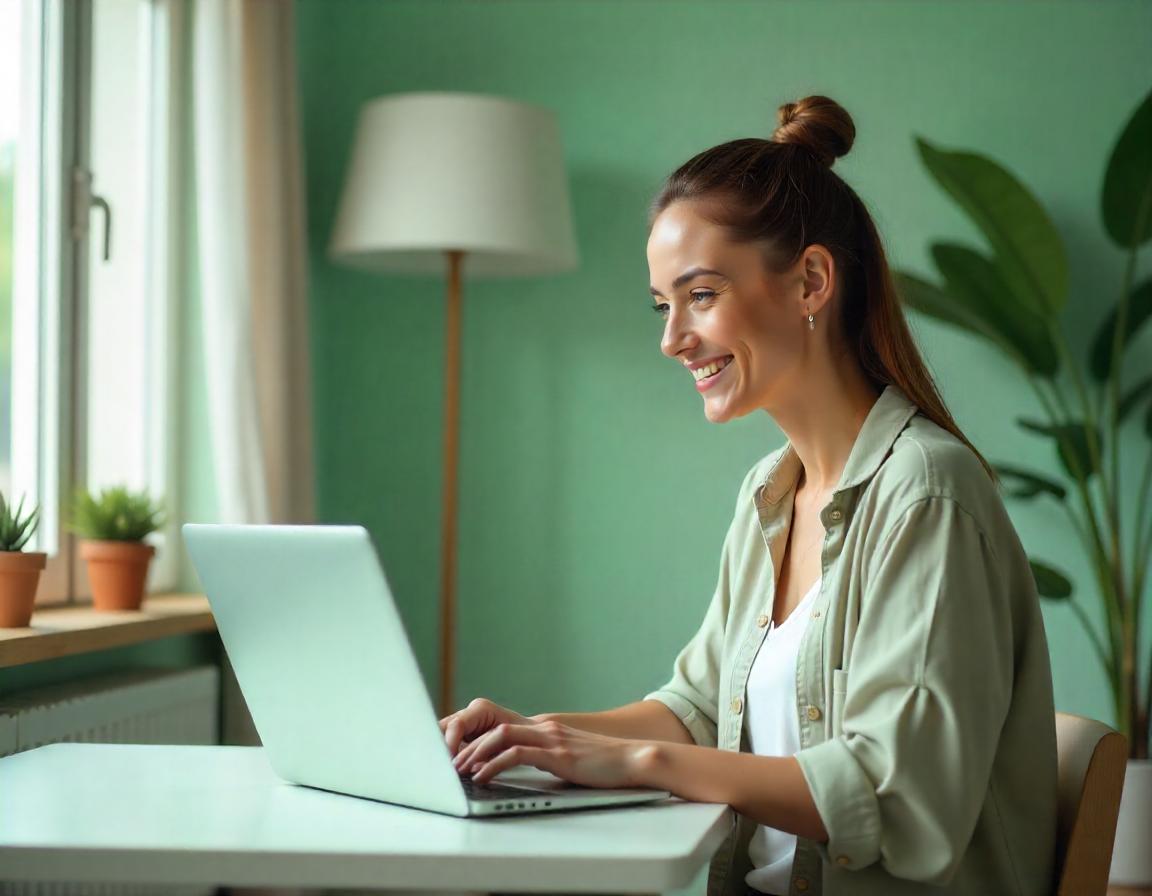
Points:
[(678, 336)]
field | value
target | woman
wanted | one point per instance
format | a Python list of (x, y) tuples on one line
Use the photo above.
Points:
[(870, 689)]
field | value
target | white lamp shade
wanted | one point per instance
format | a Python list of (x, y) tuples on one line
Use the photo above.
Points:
[(436, 171)]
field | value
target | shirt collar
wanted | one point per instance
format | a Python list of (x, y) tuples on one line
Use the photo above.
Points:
[(885, 421)]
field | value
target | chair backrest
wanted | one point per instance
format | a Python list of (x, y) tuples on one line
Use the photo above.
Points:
[(1092, 759)]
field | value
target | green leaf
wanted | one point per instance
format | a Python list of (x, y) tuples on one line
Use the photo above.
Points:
[(979, 284), (1072, 444), (1029, 484), (1133, 397), (15, 527), (1126, 200), (1025, 243), (1139, 310), (115, 515), (929, 299), (1049, 582)]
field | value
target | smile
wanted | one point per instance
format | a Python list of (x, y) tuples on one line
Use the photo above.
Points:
[(707, 375)]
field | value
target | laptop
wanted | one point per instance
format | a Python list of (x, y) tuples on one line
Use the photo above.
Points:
[(307, 618)]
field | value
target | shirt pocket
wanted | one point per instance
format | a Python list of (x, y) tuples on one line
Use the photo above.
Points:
[(839, 695)]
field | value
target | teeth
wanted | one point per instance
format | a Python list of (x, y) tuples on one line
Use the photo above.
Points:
[(710, 369)]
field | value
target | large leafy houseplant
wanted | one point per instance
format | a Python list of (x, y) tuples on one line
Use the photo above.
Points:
[(1013, 297)]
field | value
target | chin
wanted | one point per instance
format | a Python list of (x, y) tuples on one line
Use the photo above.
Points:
[(720, 414)]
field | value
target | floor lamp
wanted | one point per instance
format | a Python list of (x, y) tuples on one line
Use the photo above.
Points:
[(467, 183)]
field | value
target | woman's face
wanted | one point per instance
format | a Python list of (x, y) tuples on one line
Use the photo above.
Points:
[(741, 329)]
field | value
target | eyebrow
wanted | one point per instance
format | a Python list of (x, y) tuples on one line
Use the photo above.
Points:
[(690, 274)]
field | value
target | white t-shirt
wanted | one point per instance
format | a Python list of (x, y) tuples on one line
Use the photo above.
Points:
[(774, 730)]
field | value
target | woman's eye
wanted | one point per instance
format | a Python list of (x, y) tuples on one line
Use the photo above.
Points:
[(703, 294), (660, 309)]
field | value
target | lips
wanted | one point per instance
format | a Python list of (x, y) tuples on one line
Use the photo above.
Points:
[(707, 374)]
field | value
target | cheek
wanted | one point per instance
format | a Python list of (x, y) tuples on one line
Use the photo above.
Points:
[(765, 353)]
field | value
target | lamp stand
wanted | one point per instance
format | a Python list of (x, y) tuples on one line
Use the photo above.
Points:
[(448, 499)]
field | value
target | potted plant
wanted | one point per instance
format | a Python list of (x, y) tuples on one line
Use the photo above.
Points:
[(19, 570), (1013, 297), (112, 527)]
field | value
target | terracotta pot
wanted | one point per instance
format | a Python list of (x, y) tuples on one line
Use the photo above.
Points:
[(117, 571), (19, 576)]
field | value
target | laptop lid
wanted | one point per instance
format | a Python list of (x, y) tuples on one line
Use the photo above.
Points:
[(313, 634)]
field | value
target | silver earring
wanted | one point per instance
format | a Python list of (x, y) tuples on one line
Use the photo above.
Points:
[(811, 322)]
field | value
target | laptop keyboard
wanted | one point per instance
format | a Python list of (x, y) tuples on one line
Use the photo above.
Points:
[(492, 791)]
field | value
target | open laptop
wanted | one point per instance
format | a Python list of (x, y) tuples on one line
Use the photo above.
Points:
[(320, 653)]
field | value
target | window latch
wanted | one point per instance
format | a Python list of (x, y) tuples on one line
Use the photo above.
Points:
[(83, 200)]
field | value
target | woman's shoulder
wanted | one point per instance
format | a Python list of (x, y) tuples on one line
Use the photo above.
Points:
[(929, 462)]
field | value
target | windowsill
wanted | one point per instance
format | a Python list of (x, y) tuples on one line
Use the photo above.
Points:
[(63, 631)]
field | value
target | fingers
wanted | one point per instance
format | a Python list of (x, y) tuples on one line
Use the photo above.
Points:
[(467, 757), (463, 759), (475, 719), (453, 735), (513, 756), (499, 739), (476, 716)]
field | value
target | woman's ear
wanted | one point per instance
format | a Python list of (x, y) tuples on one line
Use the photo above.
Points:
[(819, 272)]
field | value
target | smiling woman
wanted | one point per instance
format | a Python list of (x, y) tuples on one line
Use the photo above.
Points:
[(870, 688)]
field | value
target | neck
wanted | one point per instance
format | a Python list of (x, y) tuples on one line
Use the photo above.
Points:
[(822, 419)]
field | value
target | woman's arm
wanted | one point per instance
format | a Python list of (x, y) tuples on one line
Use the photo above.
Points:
[(771, 790), (643, 720)]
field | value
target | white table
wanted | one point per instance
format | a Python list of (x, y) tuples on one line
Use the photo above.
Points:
[(220, 816)]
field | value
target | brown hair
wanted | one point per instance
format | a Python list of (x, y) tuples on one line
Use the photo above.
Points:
[(783, 193)]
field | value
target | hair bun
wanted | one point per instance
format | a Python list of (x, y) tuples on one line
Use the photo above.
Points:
[(817, 123)]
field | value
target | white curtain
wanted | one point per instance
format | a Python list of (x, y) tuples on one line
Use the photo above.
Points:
[(251, 238), (251, 246)]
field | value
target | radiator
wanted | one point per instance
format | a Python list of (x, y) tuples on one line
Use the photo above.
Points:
[(141, 706)]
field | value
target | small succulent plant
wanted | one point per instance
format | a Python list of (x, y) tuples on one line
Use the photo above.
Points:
[(115, 514), (16, 527)]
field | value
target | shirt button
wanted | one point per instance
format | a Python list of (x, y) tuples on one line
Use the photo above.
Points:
[(762, 621), (836, 514), (813, 713), (737, 705), (842, 860), (801, 883), (816, 614)]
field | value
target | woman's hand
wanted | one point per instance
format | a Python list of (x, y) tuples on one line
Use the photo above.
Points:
[(475, 719), (594, 760)]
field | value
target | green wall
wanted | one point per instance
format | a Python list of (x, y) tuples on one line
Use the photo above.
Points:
[(594, 494)]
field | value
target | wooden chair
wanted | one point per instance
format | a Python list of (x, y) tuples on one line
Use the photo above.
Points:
[(1092, 759)]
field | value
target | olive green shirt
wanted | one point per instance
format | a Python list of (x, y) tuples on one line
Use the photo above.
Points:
[(923, 684)]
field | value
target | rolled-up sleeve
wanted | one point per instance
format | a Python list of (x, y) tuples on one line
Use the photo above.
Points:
[(928, 689)]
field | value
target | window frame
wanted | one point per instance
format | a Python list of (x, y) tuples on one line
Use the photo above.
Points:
[(58, 195), (42, 323)]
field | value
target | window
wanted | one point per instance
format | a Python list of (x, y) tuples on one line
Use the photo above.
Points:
[(31, 145), (87, 353), (128, 348), (10, 84)]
